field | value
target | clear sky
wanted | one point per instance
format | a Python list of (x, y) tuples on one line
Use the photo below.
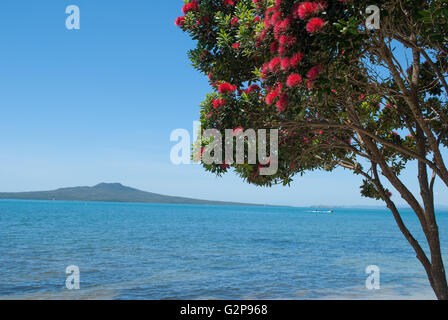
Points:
[(99, 104)]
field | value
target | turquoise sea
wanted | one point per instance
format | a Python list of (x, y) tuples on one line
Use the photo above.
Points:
[(145, 251)]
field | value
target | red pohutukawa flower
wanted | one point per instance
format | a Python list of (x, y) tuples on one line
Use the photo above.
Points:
[(252, 88), (226, 87), (270, 98), (282, 103), (287, 40), (235, 21), (314, 72), (192, 6), (295, 60), (275, 64), (179, 21), (286, 64), (306, 9), (315, 25), (294, 80), (218, 103)]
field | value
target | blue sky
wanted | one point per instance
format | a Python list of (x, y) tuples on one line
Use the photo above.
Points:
[(98, 105)]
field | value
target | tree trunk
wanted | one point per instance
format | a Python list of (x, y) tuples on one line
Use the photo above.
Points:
[(435, 269), (438, 275), (439, 286)]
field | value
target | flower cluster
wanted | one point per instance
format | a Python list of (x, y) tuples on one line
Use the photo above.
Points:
[(285, 36), (283, 23)]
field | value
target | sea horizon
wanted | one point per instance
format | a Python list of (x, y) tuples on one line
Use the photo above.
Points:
[(323, 207)]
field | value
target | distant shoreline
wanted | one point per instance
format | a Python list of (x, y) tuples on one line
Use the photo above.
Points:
[(113, 192), (218, 204)]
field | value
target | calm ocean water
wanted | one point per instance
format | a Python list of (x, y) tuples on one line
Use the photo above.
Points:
[(144, 251)]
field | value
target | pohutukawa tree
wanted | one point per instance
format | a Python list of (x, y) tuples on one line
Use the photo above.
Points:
[(342, 95)]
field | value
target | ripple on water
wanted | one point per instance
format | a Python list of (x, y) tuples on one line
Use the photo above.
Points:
[(140, 251)]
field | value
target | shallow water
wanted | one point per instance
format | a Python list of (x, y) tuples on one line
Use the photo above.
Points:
[(145, 251)]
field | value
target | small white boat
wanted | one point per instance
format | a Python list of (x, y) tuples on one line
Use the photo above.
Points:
[(320, 211)]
